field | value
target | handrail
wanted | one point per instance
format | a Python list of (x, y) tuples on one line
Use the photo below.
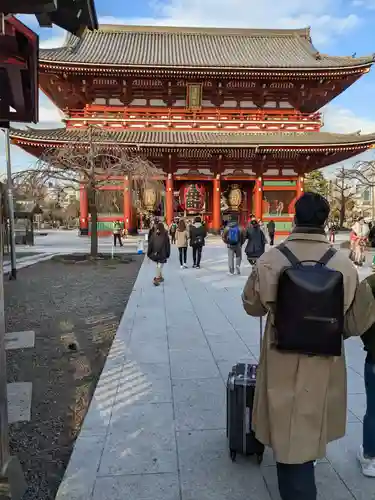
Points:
[(102, 112)]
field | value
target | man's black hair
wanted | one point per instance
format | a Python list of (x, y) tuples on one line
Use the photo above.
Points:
[(312, 210)]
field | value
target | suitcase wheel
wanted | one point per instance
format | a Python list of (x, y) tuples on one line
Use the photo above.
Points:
[(233, 455), (259, 458)]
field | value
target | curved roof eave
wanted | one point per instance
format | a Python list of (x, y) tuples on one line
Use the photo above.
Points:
[(298, 69), (331, 140)]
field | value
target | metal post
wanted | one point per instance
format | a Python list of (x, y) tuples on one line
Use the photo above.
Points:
[(12, 481), (13, 273), (4, 444)]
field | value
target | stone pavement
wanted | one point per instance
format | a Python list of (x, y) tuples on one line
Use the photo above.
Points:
[(155, 429)]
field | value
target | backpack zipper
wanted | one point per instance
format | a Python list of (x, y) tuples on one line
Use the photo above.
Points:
[(320, 319)]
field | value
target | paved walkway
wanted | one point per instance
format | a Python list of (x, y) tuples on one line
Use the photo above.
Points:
[(156, 426)]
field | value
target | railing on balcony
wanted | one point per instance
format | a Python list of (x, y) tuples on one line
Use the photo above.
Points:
[(100, 113)]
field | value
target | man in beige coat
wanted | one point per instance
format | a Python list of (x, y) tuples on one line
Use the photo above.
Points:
[(300, 401)]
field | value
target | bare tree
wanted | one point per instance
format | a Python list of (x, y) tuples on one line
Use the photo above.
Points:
[(90, 163), (364, 173), (342, 194), (26, 190)]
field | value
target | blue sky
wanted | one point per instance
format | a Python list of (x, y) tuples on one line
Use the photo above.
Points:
[(339, 27)]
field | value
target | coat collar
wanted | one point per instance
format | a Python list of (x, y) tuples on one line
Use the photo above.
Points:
[(321, 238)]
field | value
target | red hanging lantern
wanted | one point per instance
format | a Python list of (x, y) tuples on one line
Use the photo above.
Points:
[(192, 198)]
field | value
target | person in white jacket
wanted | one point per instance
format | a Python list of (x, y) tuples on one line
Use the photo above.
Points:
[(361, 230)]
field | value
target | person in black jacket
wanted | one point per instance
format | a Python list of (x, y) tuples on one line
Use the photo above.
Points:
[(159, 250), (371, 235), (366, 454), (271, 227), (256, 243), (153, 226), (198, 235)]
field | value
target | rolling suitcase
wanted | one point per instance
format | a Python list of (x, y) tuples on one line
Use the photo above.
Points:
[(240, 399)]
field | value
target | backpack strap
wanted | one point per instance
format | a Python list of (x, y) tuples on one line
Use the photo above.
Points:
[(288, 254), (327, 256)]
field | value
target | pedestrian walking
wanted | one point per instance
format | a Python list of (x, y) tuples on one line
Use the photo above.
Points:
[(182, 238), (361, 230), (271, 228), (172, 232), (300, 395), (159, 251), (117, 230), (233, 237), (366, 454), (197, 241), (332, 232), (256, 242)]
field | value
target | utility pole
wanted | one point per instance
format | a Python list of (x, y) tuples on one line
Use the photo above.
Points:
[(13, 272)]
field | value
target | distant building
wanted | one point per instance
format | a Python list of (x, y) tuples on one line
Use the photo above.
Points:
[(365, 196), (68, 196)]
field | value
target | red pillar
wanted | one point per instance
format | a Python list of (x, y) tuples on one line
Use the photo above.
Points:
[(300, 186), (127, 204), (249, 203), (169, 200), (216, 205), (83, 210), (258, 198)]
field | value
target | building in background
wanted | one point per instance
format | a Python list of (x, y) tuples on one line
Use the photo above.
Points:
[(229, 116), (365, 193)]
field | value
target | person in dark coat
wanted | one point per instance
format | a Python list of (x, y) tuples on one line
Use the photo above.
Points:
[(256, 242), (198, 235), (153, 226), (159, 250), (271, 228), (371, 235)]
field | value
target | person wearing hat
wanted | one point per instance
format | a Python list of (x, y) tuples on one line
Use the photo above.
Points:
[(300, 400)]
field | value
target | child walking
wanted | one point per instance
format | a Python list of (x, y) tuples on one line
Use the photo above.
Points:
[(182, 237), (366, 455), (159, 251)]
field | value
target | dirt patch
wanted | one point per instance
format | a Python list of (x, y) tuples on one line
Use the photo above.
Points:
[(79, 258), (74, 311)]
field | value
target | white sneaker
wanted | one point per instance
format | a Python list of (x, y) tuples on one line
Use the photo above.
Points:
[(367, 464), (182, 267), (185, 266), (230, 274)]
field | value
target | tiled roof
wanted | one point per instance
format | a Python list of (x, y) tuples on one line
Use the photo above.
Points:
[(172, 47), (190, 138)]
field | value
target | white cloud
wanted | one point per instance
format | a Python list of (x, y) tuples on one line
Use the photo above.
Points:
[(345, 121), (367, 4), (50, 113), (54, 42), (324, 16)]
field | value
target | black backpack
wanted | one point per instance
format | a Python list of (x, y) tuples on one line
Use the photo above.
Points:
[(309, 315)]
